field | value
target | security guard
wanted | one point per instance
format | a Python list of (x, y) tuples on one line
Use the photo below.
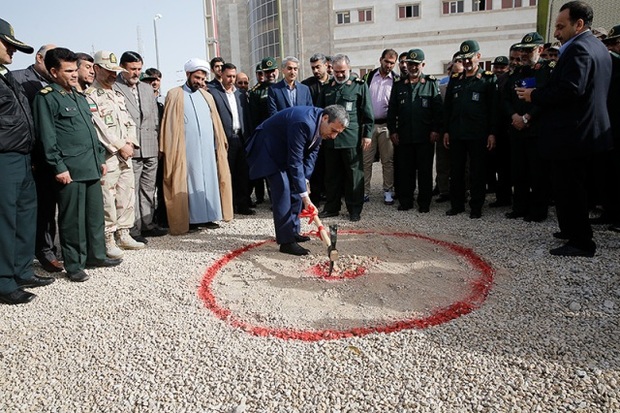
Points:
[(77, 159), (471, 120), (258, 104), (415, 117), (344, 166), (530, 176), (117, 133)]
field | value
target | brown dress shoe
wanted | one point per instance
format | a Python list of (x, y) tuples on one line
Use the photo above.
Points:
[(51, 266)]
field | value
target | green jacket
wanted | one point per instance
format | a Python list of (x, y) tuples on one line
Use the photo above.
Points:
[(258, 104), (354, 96), (66, 133), (415, 110), (471, 106)]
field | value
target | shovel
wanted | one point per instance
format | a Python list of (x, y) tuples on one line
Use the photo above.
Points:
[(329, 239)]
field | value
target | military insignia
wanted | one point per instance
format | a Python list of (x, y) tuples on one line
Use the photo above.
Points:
[(45, 90), (109, 120), (488, 73), (528, 39), (113, 58), (92, 107), (425, 103), (348, 106), (100, 92), (475, 97), (11, 30), (465, 48), (431, 77), (413, 55), (552, 64), (359, 80), (72, 109), (269, 63), (455, 75)]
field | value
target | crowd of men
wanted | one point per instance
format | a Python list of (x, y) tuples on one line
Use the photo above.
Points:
[(85, 144)]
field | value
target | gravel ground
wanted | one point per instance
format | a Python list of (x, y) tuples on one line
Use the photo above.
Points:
[(137, 338)]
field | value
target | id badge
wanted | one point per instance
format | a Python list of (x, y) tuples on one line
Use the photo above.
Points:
[(475, 96), (425, 103), (349, 106)]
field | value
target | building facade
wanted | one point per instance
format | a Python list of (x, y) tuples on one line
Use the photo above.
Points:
[(252, 29)]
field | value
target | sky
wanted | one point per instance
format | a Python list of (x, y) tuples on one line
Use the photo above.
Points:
[(118, 26)]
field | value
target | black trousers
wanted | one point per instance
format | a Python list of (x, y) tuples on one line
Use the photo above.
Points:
[(530, 175), (417, 159), (569, 178), (460, 150), (18, 219), (239, 173), (46, 212)]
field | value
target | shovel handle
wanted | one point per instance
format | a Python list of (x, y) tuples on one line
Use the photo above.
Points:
[(322, 231)]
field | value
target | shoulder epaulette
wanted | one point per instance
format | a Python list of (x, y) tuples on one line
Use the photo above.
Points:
[(552, 64), (487, 73), (45, 90), (90, 90), (455, 75), (396, 78), (359, 80), (431, 77)]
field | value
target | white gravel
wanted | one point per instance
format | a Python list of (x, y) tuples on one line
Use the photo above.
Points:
[(137, 338)]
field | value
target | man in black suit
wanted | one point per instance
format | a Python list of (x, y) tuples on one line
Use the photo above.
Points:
[(233, 109), (575, 123)]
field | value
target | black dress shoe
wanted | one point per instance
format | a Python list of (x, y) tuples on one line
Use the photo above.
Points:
[(534, 218), (442, 198), (328, 214), (108, 262), (570, 251), (301, 238), (354, 217), (51, 266), (404, 207), (78, 276), (35, 281), (514, 215), (475, 214), (154, 232), (454, 211), (560, 235), (18, 296), (293, 248), (246, 211), (210, 225), (140, 238)]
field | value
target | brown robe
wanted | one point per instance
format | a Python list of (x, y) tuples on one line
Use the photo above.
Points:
[(172, 145)]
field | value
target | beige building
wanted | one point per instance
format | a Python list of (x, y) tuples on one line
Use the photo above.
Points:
[(248, 30)]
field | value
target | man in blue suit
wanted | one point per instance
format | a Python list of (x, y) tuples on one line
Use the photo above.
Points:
[(574, 122), (289, 91), (283, 149), (233, 109)]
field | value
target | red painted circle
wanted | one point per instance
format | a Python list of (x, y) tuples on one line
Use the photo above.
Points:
[(480, 288)]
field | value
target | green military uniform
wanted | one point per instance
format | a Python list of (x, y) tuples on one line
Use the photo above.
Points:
[(344, 167), (415, 110), (70, 144), (530, 177), (471, 108), (258, 103)]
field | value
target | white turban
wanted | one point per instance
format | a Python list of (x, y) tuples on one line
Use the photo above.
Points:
[(195, 64)]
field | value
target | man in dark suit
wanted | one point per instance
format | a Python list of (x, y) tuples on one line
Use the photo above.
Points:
[(574, 123), (289, 91), (143, 109), (283, 149), (233, 109)]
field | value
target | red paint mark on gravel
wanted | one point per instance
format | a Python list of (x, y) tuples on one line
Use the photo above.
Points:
[(480, 288), (321, 270)]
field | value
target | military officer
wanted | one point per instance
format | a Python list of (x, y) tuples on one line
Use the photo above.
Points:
[(471, 121), (414, 119), (117, 133), (73, 152), (529, 173), (344, 166)]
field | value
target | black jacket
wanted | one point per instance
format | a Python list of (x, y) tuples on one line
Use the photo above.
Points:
[(16, 125)]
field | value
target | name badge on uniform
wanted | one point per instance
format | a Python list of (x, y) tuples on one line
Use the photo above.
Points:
[(71, 109), (402, 101), (109, 120), (424, 103), (349, 106), (475, 96)]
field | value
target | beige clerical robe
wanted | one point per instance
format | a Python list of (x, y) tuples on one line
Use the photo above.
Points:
[(172, 145)]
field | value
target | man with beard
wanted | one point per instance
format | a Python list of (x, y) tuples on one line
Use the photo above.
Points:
[(414, 120), (143, 110), (471, 122), (575, 123), (529, 170), (197, 182), (117, 133), (73, 151), (344, 166)]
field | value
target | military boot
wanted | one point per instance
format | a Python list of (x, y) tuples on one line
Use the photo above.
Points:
[(126, 242), (111, 249)]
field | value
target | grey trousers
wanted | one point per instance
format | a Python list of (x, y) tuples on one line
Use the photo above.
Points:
[(145, 173)]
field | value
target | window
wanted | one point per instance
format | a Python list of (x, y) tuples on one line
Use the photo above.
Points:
[(343, 17), (512, 4), (364, 15), (481, 5), (455, 6), (409, 11)]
